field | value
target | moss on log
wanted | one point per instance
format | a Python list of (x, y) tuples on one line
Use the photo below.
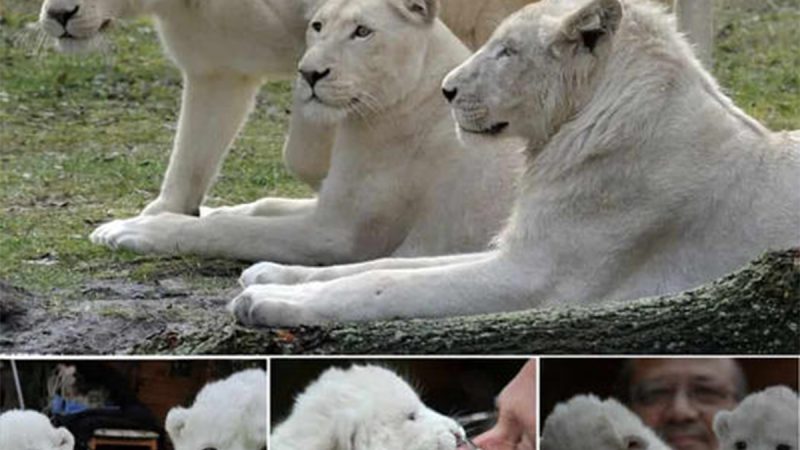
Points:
[(753, 311)]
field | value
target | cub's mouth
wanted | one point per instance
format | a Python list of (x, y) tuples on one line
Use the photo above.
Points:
[(71, 37), (491, 130)]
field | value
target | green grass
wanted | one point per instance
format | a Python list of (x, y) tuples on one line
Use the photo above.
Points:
[(84, 139)]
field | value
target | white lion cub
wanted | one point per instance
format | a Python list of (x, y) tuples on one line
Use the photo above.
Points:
[(400, 182), (229, 414), (643, 177), (766, 420), (585, 421), (32, 430), (364, 408)]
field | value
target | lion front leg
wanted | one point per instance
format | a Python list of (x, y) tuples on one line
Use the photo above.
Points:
[(213, 109), (274, 273), (489, 285)]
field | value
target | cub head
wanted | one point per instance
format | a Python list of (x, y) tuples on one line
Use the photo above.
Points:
[(31, 430), (363, 56), (366, 408), (76, 24), (535, 71), (585, 421), (766, 420), (226, 415)]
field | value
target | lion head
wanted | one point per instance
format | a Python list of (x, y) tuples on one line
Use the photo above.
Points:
[(365, 408), (363, 56), (536, 70), (31, 430), (77, 24)]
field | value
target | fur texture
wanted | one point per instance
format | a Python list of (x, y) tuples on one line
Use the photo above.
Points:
[(585, 421), (32, 430), (400, 182), (642, 179), (364, 408), (228, 414), (765, 420)]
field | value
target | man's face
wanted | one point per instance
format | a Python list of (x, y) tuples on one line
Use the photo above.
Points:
[(678, 398)]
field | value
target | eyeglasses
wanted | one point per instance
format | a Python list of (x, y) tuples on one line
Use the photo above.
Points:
[(661, 394)]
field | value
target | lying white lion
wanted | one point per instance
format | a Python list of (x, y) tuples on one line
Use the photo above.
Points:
[(226, 49), (766, 420), (32, 430), (643, 178), (364, 408), (229, 414), (400, 182), (585, 421)]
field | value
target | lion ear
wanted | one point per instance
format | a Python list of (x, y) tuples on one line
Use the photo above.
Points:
[(176, 421), (722, 424), (419, 11), (65, 439), (593, 24)]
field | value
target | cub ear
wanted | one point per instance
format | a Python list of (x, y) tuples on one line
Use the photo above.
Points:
[(594, 24), (65, 439), (176, 421), (722, 424), (418, 11)]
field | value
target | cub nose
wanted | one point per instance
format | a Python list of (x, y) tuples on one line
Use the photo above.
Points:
[(450, 94), (62, 16), (312, 76)]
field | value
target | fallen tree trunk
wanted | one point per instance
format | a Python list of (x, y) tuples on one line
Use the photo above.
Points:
[(753, 311)]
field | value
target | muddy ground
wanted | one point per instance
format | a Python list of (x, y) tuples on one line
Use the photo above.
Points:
[(753, 311)]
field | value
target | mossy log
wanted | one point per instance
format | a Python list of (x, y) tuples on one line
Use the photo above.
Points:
[(753, 311)]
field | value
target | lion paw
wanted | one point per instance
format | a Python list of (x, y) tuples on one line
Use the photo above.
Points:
[(272, 273), (274, 305)]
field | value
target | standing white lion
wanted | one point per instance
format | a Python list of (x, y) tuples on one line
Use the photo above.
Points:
[(364, 408), (229, 414), (32, 430), (585, 421), (643, 178), (766, 420)]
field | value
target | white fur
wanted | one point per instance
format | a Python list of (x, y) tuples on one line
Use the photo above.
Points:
[(766, 420), (225, 51), (229, 414), (643, 178), (32, 430), (585, 421), (399, 184), (363, 408)]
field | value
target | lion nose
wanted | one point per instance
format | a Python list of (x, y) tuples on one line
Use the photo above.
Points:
[(450, 94), (62, 16), (312, 76)]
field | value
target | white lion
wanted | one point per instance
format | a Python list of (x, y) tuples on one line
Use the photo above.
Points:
[(32, 430), (766, 420), (225, 50), (229, 414), (400, 182), (585, 421), (643, 178), (364, 408)]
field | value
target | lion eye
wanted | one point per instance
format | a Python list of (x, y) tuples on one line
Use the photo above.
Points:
[(783, 447), (316, 26), (505, 52), (740, 445), (362, 32), (412, 416)]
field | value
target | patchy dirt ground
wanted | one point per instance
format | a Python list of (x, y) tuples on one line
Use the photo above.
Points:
[(754, 311)]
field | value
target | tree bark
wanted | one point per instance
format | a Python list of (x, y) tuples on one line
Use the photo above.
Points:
[(753, 311)]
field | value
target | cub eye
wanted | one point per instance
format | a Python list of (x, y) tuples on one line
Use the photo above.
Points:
[(783, 447), (740, 445), (316, 26), (413, 416), (505, 52), (209, 448), (362, 32)]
